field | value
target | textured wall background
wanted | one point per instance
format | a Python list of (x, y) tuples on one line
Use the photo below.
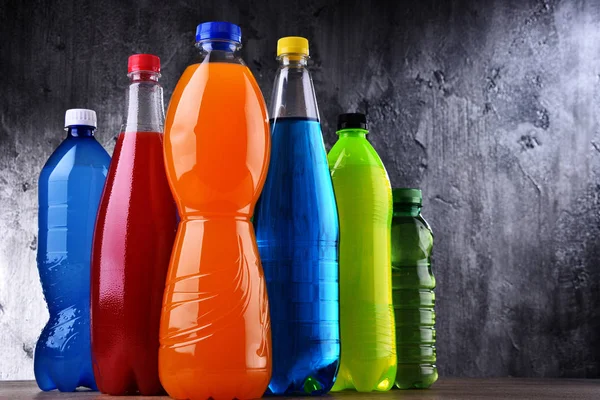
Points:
[(490, 107)]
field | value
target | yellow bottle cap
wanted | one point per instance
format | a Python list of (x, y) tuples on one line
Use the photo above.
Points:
[(292, 45)]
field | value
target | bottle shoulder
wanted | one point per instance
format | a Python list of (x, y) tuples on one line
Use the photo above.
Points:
[(77, 152), (293, 94), (406, 227), (357, 167), (217, 86), (425, 223), (417, 221), (353, 151)]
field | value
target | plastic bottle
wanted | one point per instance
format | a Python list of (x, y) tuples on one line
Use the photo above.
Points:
[(297, 232), (413, 296), (70, 186), (133, 239), (215, 332), (364, 198)]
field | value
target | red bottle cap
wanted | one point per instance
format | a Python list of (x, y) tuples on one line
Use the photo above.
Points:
[(143, 62)]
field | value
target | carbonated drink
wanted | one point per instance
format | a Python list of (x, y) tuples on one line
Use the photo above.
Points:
[(134, 236), (364, 198), (413, 284), (297, 232), (215, 333), (70, 187)]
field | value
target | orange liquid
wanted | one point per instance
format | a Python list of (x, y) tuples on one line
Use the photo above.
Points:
[(215, 334)]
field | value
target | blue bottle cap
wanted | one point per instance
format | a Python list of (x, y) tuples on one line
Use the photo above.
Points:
[(218, 30)]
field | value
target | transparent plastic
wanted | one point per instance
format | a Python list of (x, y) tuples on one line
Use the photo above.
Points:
[(414, 299), (364, 198), (293, 92), (70, 187), (133, 239), (215, 334), (297, 231)]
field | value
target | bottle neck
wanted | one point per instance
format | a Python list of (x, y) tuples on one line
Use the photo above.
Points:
[(293, 61), (406, 210), (80, 131), (145, 108), (223, 51), (359, 133), (143, 76), (293, 92)]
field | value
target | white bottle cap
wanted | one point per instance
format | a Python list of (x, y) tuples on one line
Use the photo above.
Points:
[(80, 116)]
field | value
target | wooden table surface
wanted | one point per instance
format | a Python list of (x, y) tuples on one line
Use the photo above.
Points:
[(463, 389)]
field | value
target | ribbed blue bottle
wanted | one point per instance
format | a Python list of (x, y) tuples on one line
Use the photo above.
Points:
[(70, 187), (297, 233)]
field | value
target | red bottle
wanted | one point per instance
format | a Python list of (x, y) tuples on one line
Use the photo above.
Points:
[(134, 234)]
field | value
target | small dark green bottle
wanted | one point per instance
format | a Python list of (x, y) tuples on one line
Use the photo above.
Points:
[(412, 287)]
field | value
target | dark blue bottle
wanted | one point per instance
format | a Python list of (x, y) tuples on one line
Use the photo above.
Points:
[(297, 234), (70, 187)]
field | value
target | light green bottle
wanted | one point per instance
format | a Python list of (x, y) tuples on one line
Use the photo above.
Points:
[(364, 198)]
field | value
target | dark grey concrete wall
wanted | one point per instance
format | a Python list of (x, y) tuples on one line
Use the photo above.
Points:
[(489, 106)]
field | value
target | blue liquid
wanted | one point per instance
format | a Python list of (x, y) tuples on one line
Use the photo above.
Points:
[(70, 187), (297, 233)]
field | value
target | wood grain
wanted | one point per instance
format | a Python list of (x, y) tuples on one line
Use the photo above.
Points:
[(463, 389)]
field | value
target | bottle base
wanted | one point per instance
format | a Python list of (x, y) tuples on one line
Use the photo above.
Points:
[(246, 385), (378, 378), (121, 388), (317, 383), (416, 376), (62, 375)]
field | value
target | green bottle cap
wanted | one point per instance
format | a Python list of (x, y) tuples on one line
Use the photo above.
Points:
[(407, 196)]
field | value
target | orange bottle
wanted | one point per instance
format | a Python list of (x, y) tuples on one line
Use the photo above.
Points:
[(215, 334)]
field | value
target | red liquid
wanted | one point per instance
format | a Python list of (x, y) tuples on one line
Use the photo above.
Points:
[(133, 238)]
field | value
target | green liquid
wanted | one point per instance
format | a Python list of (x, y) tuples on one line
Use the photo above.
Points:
[(363, 196), (414, 299)]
